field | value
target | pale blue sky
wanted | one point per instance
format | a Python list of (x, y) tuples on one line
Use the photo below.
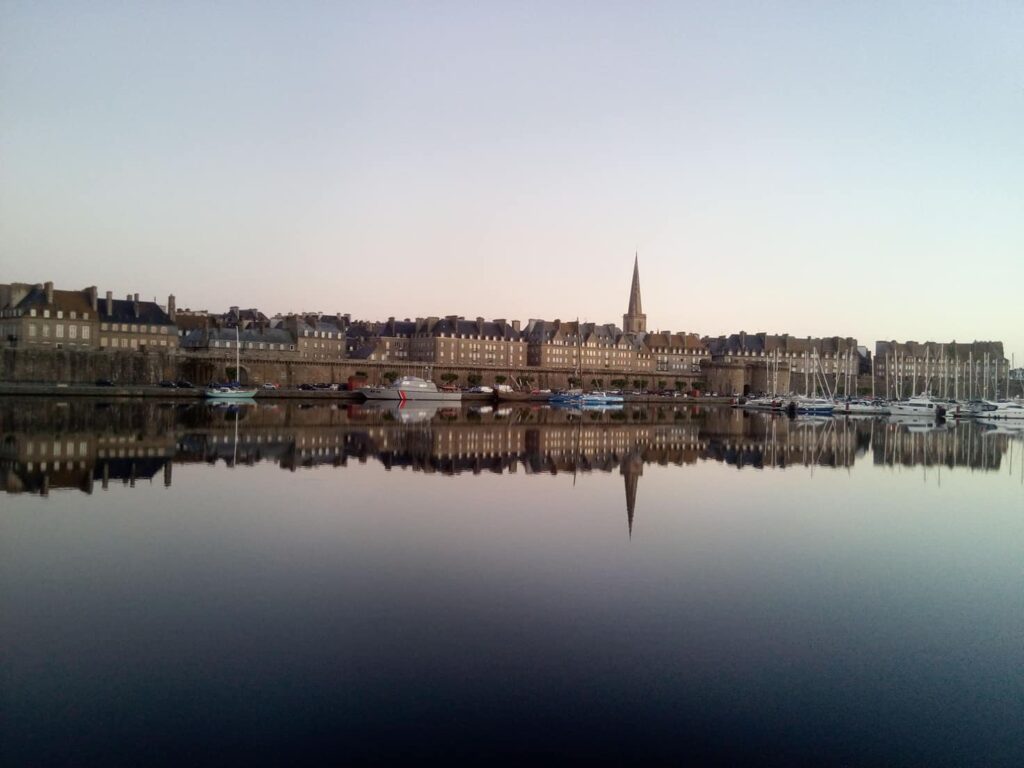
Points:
[(812, 168)]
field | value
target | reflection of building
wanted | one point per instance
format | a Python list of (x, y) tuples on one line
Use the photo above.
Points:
[(43, 447), (631, 470)]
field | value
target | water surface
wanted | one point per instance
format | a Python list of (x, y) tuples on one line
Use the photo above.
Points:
[(184, 584)]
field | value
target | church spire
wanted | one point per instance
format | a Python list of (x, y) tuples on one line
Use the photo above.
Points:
[(635, 321)]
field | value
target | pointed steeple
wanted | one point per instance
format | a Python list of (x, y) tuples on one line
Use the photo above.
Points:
[(635, 321), (635, 306)]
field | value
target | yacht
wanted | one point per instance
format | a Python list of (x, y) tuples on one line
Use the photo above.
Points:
[(230, 393), (862, 408), (921, 407), (1004, 409), (409, 388), (813, 405)]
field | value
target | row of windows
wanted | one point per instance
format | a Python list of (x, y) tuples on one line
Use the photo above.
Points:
[(59, 314), (132, 328), (252, 345), (125, 343), (73, 331)]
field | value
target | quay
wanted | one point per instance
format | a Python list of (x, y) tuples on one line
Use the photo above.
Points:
[(10, 389)]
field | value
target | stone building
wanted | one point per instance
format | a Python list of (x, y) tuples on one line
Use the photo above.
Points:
[(589, 346), (779, 363), (318, 337), (950, 369), (453, 340), (37, 316), (676, 353), (133, 324)]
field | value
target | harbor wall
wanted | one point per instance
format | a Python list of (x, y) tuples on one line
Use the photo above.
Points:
[(135, 368)]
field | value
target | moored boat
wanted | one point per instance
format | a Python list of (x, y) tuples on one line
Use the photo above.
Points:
[(920, 407), (230, 393), (409, 388), (862, 408), (813, 405), (1006, 409)]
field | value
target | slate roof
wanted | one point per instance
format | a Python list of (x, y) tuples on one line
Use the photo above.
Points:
[(150, 313), (66, 301)]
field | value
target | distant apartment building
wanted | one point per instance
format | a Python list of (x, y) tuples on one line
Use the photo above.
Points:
[(676, 353), (271, 341), (453, 340), (571, 344), (38, 316), (131, 324), (945, 369)]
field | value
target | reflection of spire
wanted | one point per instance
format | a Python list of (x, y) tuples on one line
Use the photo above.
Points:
[(631, 469), (635, 321)]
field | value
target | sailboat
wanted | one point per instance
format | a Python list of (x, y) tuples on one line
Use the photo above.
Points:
[(232, 393)]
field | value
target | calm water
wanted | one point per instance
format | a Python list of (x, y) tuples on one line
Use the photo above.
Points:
[(185, 585)]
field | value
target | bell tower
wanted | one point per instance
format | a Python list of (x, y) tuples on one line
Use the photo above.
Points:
[(635, 321)]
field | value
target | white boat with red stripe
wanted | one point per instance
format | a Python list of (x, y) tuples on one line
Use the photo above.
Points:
[(409, 388)]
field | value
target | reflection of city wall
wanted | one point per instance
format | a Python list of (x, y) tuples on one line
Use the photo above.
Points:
[(46, 445)]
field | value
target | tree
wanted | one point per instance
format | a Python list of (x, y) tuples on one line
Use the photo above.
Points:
[(661, 383), (575, 381), (448, 378), (640, 383), (474, 378), (619, 383), (389, 376), (500, 379)]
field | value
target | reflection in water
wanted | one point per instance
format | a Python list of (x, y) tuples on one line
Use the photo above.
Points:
[(46, 446), (845, 605)]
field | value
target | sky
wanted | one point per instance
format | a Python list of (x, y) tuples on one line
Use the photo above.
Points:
[(852, 169)]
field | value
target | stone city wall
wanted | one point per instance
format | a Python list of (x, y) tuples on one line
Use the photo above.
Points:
[(83, 367)]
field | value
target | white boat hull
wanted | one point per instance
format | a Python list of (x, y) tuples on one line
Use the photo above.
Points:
[(226, 393)]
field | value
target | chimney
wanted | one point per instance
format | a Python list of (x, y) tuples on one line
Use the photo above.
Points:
[(48, 287), (110, 303), (93, 302), (172, 309), (515, 326), (135, 304)]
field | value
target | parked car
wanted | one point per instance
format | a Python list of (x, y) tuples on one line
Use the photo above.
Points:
[(269, 385), (104, 383), (481, 390), (168, 384), (307, 387), (183, 384)]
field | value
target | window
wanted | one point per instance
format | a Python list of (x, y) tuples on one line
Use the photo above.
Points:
[(85, 331), (31, 313), (103, 326), (32, 330), (135, 328), (103, 341), (73, 315), (60, 314), (46, 313), (72, 331), (59, 332)]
